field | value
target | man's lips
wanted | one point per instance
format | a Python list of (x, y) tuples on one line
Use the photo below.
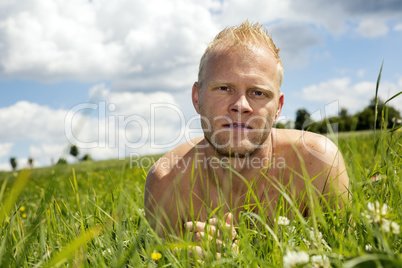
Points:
[(236, 125)]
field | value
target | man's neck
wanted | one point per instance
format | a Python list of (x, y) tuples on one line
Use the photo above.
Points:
[(221, 168)]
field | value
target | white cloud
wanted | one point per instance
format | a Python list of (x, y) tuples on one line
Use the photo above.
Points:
[(340, 16), (137, 122), (46, 154), (361, 73), (340, 89), (372, 28), (117, 124), (5, 166), (398, 27), (156, 44), (143, 42), (46, 38), (234, 11), (26, 120), (294, 40), (21, 163), (5, 148), (351, 96)]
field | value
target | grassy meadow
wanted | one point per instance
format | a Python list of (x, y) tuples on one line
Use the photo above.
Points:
[(90, 214)]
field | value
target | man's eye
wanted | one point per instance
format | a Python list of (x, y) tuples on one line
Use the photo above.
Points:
[(258, 93), (224, 88)]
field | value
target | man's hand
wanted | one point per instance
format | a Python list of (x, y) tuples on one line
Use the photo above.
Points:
[(214, 230)]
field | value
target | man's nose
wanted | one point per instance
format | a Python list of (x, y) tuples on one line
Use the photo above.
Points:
[(240, 104)]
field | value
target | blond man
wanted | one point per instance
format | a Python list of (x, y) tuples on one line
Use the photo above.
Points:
[(239, 99)]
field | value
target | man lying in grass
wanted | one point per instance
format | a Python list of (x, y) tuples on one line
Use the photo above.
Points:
[(241, 160)]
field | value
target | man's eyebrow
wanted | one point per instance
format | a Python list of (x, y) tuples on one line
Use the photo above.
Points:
[(226, 83), (220, 82), (264, 87)]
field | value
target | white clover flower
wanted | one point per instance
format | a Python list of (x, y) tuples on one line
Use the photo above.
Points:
[(385, 226), (320, 261), (369, 247), (283, 221), (395, 227), (312, 234), (368, 217), (375, 208), (370, 206), (142, 211), (308, 244), (294, 258), (326, 244), (384, 209), (376, 211), (292, 229), (315, 241), (107, 251)]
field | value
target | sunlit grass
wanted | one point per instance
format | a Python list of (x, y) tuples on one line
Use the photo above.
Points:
[(92, 215)]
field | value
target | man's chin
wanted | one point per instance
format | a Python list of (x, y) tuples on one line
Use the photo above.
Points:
[(242, 149), (239, 152)]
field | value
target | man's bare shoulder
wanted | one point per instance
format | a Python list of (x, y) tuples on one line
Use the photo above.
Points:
[(310, 146), (175, 162), (318, 154), (165, 179)]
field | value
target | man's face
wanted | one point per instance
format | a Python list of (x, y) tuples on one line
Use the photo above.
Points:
[(239, 99)]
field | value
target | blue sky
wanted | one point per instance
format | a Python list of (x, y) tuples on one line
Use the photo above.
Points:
[(115, 77)]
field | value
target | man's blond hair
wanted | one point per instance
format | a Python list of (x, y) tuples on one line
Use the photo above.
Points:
[(242, 35)]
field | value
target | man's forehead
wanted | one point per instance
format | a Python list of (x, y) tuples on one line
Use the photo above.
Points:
[(247, 46), (251, 53)]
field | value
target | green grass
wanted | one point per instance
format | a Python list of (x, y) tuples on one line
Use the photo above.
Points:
[(90, 215)]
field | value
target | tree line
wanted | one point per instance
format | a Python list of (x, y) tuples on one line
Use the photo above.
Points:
[(387, 116), (73, 150)]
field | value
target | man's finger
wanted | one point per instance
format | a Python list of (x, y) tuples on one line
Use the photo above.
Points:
[(229, 221), (200, 253), (200, 227), (227, 224), (199, 236), (213, 226), (228, 217), (196, 250)]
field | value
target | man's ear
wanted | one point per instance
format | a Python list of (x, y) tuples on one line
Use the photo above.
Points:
[(195, 96), (280, 105)]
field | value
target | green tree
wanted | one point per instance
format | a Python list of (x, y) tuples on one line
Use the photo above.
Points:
[(386, 115), (301, 118), (86, 157), (343, 120), (13, 162), (30, 162), (61, 161), (281, 124), (365, 119), (391, 115), (74, 151)]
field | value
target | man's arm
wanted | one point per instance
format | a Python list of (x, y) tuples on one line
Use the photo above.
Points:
[(161, 200), (324, 161)]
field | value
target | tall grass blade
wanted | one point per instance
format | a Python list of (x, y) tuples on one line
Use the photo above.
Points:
[(15, 192), (370, 260), (376, 97), (393, 97), (68, 252)]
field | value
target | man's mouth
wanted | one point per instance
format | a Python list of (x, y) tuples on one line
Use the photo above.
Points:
[(239, 126)]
